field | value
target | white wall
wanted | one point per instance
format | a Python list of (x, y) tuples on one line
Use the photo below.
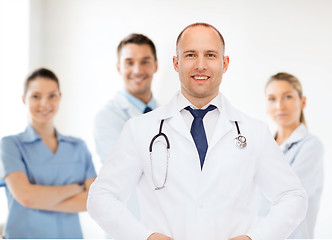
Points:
[(78, 40), (14, 42)]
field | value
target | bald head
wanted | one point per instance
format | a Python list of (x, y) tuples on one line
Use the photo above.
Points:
[(198, 25)]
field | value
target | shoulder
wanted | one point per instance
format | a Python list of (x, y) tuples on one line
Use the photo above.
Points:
[(114, 107), (70, 139), (312, 142), (11, 140), (234, 114), (8, 140)]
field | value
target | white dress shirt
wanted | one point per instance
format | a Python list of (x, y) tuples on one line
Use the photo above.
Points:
[(209, 120)]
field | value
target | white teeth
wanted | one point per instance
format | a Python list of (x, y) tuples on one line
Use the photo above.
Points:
[(200, 77)]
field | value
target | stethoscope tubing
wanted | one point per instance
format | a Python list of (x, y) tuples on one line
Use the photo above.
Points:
[(240, 141)]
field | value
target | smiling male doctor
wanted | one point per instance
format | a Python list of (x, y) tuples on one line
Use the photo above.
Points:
[(210, 183)]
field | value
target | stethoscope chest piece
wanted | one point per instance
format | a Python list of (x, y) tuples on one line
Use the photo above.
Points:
[(240, 141)]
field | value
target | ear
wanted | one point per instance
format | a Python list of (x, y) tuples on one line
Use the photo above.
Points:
[(23, 100), (303, 102), (176, 63), (156, 66), (226, 63), (118, 67)]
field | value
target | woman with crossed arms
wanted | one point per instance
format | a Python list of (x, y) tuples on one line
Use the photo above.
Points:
[(47, 174)]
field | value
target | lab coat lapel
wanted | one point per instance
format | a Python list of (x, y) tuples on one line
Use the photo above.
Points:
[(222, 128), (175, 119), (225, 123), (177, 122), (123, 102)]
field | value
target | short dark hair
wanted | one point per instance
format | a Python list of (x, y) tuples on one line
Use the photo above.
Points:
[(40, 72), (199, 24), (139, 39)]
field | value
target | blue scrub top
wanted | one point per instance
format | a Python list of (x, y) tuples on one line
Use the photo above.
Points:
[(72, 163)]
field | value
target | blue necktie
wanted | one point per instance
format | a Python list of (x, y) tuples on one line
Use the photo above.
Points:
[(147, 109), (197, 131)]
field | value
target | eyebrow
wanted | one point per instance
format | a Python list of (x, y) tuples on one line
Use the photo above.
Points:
[(144, 58), (37, 92), (283, 93), (208, 51)]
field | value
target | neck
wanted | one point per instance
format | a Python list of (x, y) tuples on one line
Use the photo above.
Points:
[(284, 133), (44, 130), (199, 102), (145, 97)]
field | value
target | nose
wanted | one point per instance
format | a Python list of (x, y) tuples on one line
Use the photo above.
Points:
[(137, 69), (201, 64), (44, 102), (279, 104)]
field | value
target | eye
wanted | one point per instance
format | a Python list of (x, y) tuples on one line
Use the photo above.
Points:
[(129, 64), (189, 55), (271, 99), (53, 95), (288, 97), (145, 62), (211, 55), (35, 96)]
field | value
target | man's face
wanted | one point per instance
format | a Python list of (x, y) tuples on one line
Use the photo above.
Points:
[(200, 62), (136, 66)]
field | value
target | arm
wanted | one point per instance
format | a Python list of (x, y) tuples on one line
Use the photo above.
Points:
[(76, 203), (112, 188), (159, 236), (107, 128), (242, 237), (38, 196), (308, 165), (282, 187)]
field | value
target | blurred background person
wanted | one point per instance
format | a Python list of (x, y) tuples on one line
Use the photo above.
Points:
[(137, 63), (47, 174), (304, 151)]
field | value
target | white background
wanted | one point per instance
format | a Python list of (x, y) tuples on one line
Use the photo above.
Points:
[(78, 39)]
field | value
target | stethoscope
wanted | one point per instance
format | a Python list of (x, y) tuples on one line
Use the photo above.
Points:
[(240, 141)]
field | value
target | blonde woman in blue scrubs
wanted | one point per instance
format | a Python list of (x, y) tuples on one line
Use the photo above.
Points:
[(304, 151), (47, 174)]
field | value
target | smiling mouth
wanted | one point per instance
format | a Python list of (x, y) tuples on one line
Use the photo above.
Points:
[(200, 78), (45, 113), (282, 115)]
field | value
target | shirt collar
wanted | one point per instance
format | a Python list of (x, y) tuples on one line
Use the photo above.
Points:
[(30, 135), (297, 135), (222, 104), (138, 103), (182, 102)]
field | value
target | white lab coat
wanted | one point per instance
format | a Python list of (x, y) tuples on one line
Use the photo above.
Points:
[(109, 123), (304, 153), (216, 203)]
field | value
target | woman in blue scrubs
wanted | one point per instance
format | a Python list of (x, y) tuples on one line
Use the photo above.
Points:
[(303, 151), (47, 174)]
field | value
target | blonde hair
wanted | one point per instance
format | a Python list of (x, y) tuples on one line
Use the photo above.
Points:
[(292, 80)]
